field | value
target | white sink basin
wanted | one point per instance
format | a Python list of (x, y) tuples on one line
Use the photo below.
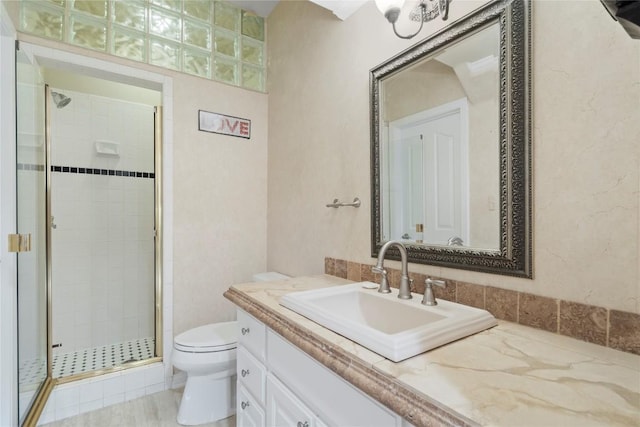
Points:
[(393, 328)]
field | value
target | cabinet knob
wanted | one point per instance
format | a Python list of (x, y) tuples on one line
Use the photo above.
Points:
[(245, 331), (303, 424), (245, 405), (244, 373)]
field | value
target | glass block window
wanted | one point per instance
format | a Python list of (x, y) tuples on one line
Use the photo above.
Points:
[(87, 32), (128, 44), (210, 39), (252, 25), (129, 14), (96, 8)]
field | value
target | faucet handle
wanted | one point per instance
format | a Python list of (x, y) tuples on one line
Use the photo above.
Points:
[(384, 282), (379, 270), (429, 298), (429, 281)]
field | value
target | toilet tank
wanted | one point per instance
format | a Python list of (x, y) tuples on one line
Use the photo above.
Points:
[(269, 276)]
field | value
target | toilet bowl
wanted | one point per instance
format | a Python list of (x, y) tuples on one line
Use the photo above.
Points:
[(208, 355)]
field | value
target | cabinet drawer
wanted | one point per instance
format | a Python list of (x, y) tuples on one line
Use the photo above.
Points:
[(333, 399), (252, 334), (251, 374), (284, 408), (249, 412)]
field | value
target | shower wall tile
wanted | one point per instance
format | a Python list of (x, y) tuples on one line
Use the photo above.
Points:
[(134, 381), (91, 391), (94, 393), (154, 375), (113, 385), (67, 396), (103, 243)]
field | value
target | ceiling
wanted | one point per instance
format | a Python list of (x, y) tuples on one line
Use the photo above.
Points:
[(341, 8), (260, 7)]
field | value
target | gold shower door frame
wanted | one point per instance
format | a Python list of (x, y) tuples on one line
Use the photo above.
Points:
[(157, 255), (34, 413)]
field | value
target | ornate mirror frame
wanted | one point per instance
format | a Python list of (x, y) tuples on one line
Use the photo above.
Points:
[(514, 256)]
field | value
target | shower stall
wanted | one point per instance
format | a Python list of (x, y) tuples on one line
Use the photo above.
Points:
[(102, 232), (89, 198)]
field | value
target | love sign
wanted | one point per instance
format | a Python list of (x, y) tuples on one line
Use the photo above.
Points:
[(223, 124)]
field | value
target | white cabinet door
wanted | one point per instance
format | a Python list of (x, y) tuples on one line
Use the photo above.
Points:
[(251, 374), (249, 413), (284, 409), (330, 397), (252, 334)]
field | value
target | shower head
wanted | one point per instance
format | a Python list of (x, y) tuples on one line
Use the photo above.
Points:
[(60, 100)]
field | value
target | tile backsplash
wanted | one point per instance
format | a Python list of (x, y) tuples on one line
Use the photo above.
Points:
[(611, 328)]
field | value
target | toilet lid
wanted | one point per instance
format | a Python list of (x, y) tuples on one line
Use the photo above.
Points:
[(208, 338)]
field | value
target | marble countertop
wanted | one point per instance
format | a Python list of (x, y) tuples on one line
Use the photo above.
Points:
[(510, 375)]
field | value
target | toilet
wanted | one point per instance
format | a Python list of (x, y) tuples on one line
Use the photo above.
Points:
[(208, 355)]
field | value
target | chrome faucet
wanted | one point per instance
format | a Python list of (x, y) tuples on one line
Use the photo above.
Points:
[(429, 297), (405, 288)]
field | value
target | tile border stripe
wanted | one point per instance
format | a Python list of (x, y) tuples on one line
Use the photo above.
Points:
[(99, 171), (29, 167)]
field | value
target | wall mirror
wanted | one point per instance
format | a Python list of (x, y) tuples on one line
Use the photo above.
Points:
[(451, 147)]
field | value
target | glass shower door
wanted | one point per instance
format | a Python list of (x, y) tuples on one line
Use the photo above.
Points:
[(31, 221)]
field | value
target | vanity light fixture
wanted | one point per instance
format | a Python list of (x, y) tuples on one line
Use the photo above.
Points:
[(424, 12)]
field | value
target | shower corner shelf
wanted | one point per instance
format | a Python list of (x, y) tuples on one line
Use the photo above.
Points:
[(108, 148)]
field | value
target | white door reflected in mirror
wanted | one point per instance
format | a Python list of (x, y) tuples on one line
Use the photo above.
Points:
[(440, 153), (428, 173)]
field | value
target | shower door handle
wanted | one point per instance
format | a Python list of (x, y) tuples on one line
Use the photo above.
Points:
[(19, 242)]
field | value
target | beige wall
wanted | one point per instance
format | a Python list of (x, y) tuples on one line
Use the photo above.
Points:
[(586, 127), (419, 89), (220, 200)]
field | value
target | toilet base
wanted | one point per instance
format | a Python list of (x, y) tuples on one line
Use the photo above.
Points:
[(207, 398)]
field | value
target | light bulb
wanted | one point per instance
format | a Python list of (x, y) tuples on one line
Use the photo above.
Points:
[(385, 6)]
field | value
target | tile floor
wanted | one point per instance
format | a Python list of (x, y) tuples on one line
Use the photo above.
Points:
[(92, 359), (159, 409), (86, 360)]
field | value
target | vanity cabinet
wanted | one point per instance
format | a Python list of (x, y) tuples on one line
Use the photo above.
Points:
[(285, 409), (278, 384), (249, 413), (251, 372)]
